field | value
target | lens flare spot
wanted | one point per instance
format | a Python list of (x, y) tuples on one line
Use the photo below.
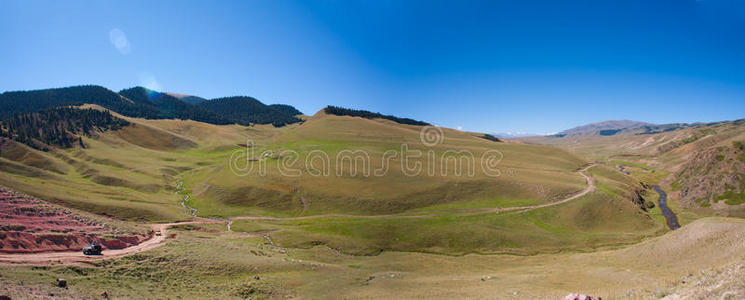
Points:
[(148, 81), (119, 40)]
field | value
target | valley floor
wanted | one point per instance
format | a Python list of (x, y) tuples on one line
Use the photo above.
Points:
[(206, 261)]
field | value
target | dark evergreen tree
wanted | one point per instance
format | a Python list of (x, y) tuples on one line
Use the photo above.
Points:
[(339, 111), (32, 101), (172, 108), (140, 102), (247, 110), (59, 126)]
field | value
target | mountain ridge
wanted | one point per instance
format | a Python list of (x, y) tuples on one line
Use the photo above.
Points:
[(140, 102), (603, 127)]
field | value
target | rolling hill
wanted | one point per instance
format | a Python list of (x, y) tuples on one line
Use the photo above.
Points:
[(131, 173), (339, 202), (335, 187), (347, 228)]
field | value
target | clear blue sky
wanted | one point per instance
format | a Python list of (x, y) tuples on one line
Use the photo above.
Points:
[(532, 66)]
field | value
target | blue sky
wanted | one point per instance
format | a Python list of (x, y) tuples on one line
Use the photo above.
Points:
[(496, 66)]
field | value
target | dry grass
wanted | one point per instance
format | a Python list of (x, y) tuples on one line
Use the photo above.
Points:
[(196, 265)]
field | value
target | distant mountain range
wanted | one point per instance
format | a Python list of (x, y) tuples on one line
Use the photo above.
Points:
[(144, 103), (511, 135), (618, 127)]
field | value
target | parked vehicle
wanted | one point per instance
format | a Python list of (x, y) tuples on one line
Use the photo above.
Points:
[(92, 249)]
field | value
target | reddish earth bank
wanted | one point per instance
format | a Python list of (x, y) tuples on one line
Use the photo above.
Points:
[(28, 225)]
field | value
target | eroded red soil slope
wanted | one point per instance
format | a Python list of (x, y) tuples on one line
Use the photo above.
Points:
[(28, 224)]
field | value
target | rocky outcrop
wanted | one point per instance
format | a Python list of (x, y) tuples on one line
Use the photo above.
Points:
[(711, 175), (638, 199)]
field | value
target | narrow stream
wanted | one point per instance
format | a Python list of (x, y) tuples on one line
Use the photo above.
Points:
[(670, 217), (180, 189)]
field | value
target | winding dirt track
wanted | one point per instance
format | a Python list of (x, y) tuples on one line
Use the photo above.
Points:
[(78, 256), (157, 240), (590, 187)]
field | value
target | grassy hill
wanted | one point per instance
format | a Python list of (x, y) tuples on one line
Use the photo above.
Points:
[(344, 192), (531, 175), (126, 173)]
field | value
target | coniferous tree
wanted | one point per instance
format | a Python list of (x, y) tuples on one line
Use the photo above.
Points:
[(59, 127), (339, 111), (247, 111), (143, 103)]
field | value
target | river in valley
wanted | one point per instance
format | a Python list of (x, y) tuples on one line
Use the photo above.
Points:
[(670, 217)]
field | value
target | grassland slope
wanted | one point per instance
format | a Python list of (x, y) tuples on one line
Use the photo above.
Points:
[(537, 174)]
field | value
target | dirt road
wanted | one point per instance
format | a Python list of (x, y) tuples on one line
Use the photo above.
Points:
[(78, 256), (590, 187)]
